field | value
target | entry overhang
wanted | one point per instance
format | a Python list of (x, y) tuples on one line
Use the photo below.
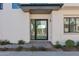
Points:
[(40, 7)]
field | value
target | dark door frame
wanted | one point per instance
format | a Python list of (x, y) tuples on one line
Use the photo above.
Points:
[(36, 28)]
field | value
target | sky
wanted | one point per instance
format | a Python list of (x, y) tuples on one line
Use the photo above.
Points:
[(39, 1), (29, 1)]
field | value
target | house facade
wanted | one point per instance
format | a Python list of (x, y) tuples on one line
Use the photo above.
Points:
[(51, 22)]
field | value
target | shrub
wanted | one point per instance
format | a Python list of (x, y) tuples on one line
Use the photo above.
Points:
[(5, 42), (58, 45), (19, 48), (42, 49), (33, 48), (0, 42), (77, 44), (21, 42), (38, 49), (70, 43), (4, 49), (26, 49)]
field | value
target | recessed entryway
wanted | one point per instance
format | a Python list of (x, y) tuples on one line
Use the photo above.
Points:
[(39, 29)]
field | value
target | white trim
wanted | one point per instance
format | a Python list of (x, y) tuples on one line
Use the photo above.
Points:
[(71, 16)]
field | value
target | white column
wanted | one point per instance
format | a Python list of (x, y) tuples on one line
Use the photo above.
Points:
[(28, 27), (57, 26), (50, 29)]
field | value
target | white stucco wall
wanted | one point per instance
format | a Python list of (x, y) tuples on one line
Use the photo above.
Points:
[(14, 24), (70, 13), (58, 26)]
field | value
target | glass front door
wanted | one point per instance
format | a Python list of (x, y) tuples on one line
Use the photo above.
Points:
[(39, 29)]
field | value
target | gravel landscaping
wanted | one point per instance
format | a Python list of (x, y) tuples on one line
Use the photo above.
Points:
[(34, 45)]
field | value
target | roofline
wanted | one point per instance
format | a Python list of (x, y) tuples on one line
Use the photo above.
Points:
[(43, 4), (43, 7)]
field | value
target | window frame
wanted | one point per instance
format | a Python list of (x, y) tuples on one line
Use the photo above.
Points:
[(1, 6), (15, 5), (75, 18)]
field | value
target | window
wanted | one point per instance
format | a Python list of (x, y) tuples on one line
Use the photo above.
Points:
[(15, 6), (1, 6), (71, 24)]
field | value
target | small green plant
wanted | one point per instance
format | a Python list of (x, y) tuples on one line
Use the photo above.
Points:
[(0, 42), (5, 42), (33, 48), (37, 49), (21, 42), (70, 43), (19, 48), (77, 44), (4, 49), (42, 49), (58, 45)]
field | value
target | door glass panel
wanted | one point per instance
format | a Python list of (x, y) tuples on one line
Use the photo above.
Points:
[(41, 29)]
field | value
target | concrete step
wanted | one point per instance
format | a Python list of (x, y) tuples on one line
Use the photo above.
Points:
[(41, 43)]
